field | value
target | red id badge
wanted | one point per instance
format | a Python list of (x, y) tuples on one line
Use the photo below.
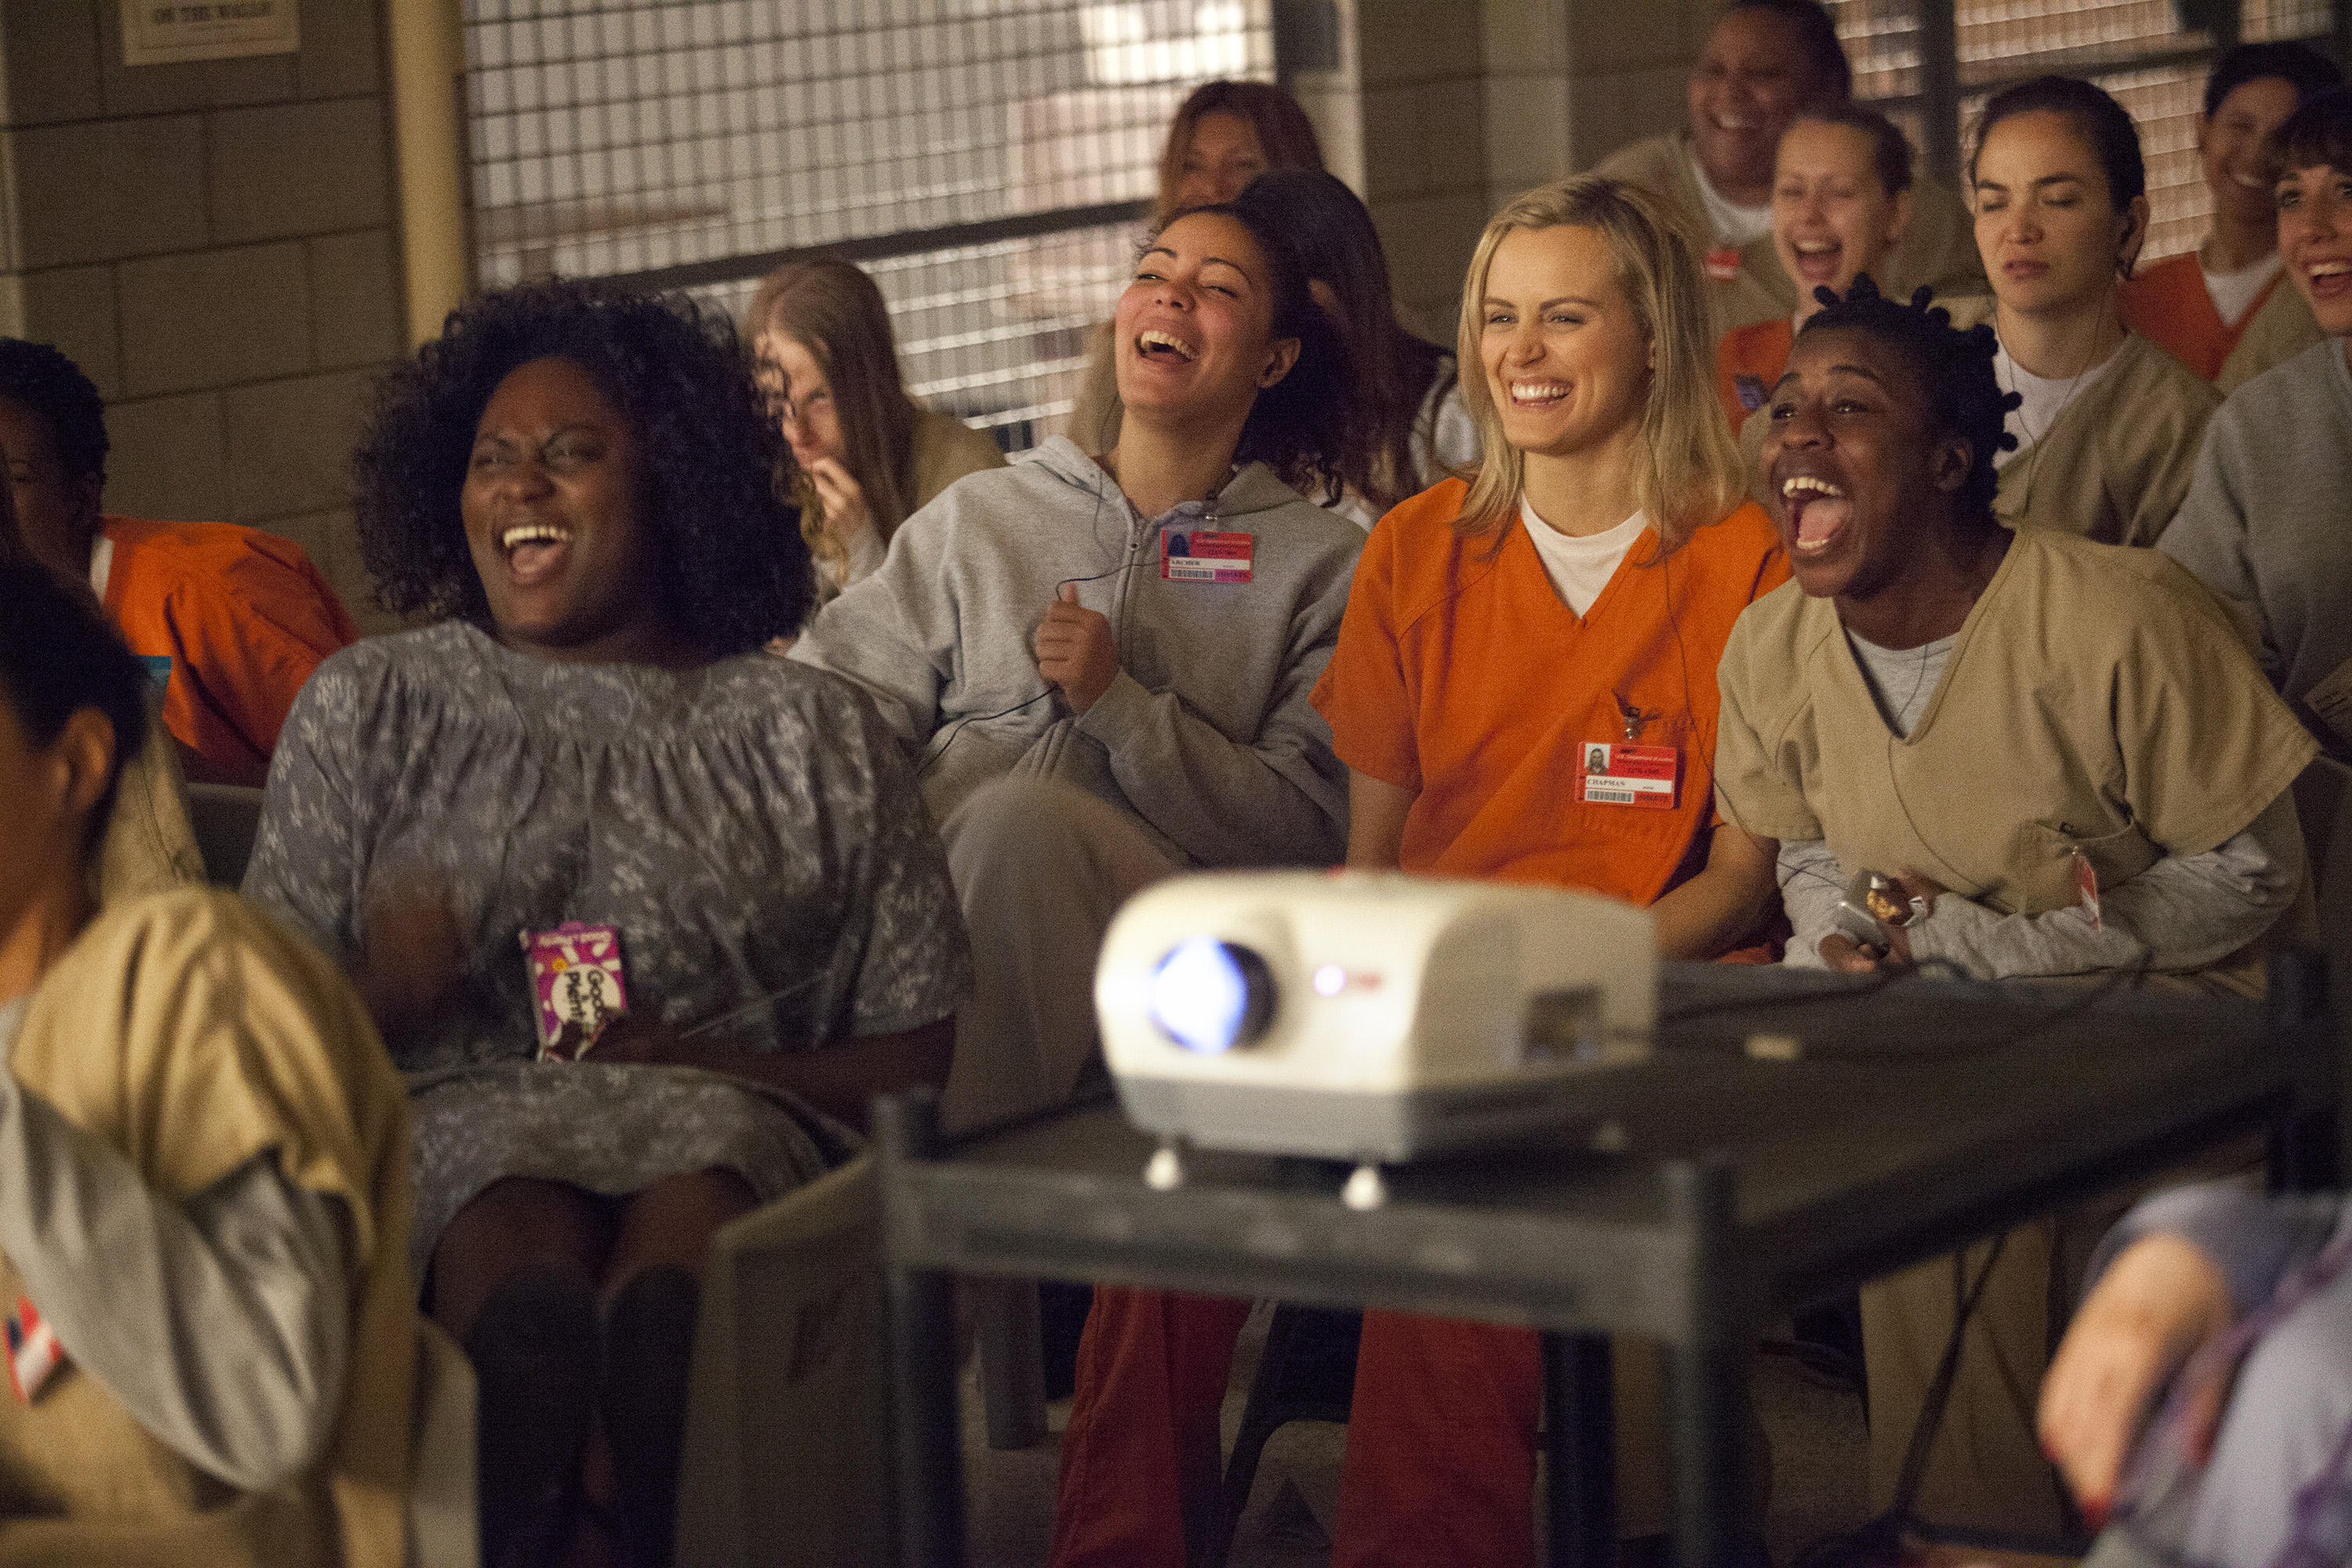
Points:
[(1205, 555), (1646, 777)]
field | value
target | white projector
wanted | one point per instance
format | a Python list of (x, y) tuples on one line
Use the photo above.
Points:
[(1366, 1016)]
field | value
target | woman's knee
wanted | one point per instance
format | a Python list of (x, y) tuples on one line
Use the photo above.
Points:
[(513, 1223), (670, 1224)]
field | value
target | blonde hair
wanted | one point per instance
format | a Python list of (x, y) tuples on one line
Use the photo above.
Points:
[(832, 308), (1694, 475)]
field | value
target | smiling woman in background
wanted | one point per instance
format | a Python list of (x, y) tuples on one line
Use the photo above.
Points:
[(870, 454), (2219, 308), (1225, 134), (1765, 62), (1840, 200)]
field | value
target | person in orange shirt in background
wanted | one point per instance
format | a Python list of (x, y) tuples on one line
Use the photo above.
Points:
[(1840, 201), (1575, 598), (230, 620), (2219, 308)]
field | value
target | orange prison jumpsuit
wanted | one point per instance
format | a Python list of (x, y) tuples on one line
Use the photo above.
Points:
[(1465, 678), (2168, 303), (244, 619), (1759, 349)]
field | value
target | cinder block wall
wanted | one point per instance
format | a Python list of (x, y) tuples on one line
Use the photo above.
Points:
[(214, 243), (1440, 110)]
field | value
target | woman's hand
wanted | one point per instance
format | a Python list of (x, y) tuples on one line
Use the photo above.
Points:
[(2157, 1303), (1074, 650), (846, 514), (1847, 956), (626, 1037), (413, 952)]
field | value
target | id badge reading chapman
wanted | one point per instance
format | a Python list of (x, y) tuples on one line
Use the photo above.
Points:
[(1643, 777), (1205, 555)]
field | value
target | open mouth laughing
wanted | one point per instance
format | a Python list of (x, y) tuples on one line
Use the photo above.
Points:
[(1818, 511)]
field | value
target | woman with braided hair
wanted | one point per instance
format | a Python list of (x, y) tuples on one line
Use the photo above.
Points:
[(2137, 817)]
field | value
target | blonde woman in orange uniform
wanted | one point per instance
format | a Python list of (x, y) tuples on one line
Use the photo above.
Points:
[(1577, 595)]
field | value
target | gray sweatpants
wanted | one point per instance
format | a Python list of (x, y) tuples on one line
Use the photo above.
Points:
[(1039, 867)]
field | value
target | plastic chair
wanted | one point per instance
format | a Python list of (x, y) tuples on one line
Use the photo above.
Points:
[(787, 1458), (226, 818), (443, 1528)]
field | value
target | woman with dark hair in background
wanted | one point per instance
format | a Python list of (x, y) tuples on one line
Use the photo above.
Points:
[(2107, 423), (1225, 134), (633, 902), (2219, 308), (1765, 61), (1407, 425), (870, 454), (1104, 665)]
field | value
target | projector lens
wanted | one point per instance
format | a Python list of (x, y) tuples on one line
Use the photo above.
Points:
[(1212, 995)]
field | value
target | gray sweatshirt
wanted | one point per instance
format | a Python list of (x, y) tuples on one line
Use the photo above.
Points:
[(1206, 737), (2266, 525)]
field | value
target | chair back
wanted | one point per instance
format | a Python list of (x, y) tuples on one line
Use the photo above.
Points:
[(442, 1532), (787, 1456), (226, 818)]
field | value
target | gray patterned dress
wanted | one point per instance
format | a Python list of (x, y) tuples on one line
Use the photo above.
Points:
[(750, 826)]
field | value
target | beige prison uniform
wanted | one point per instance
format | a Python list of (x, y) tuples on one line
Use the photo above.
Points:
[(150, 846), (2282, 328), (946, 449), (1938, 249), (192, 1035), (2096, 699), (2116, 463)]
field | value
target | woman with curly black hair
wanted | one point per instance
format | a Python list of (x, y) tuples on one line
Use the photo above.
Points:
[(1104, 663), (633, 902), (2056, 754)]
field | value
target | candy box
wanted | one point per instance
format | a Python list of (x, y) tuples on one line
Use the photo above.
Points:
[(576, 978)]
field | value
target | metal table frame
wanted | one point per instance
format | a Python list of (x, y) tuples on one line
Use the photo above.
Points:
[(1726, 1203)]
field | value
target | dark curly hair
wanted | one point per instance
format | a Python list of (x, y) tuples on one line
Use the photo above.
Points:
[(54, 387), (1298, 426), (58, 656), (1953, 368), (712, 468)]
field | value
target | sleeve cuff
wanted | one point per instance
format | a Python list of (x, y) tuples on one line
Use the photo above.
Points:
[(1118, 712)]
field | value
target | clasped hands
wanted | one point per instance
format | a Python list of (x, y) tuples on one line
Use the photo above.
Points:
[(1074, 650)]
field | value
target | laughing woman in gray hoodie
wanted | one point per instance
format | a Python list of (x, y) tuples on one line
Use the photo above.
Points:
[(1102, 666)]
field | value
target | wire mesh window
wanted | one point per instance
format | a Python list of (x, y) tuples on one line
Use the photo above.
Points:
[(640, 138), (2161, 78)]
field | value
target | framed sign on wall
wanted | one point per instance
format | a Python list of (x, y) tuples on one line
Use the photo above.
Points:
[(162, 32)]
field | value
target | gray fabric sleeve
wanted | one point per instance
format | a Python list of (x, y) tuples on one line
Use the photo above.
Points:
[(2255, 1240), (242, 1373), (1279, 799), (302, 870), (2208, 535), (1811, 884), (2183, 912), (894, 632)]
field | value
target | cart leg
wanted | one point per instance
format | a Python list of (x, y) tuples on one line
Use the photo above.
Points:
[(926, 1432), (1706, 1372), (1580, 1449)]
